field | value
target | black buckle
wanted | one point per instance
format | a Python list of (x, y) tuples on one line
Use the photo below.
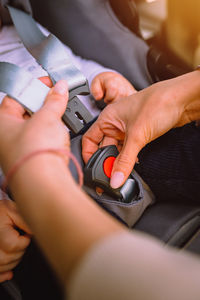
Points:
[(97, 174)]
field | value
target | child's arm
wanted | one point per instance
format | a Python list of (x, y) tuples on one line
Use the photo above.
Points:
[(104, 83)]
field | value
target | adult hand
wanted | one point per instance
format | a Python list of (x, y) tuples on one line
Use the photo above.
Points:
[(111, 86), (137, 120), (43, 130), (12, 244)]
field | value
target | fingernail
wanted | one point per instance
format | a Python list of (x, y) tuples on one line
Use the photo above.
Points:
[(116, 180), (61, 87)]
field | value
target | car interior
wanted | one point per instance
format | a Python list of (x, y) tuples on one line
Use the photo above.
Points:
[(95, 29)]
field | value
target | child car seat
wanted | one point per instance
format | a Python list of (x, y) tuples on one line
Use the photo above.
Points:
[(96, 29), (93, 31)]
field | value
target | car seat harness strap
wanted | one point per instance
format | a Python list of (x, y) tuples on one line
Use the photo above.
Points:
[(51, 54)]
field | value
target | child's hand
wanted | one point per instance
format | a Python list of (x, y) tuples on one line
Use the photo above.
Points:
[(111, 86), (12, 244)]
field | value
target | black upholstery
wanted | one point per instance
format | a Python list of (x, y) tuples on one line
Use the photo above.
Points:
[(174, 223)]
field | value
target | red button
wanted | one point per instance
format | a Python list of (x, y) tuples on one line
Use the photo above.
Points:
[(108, 165)]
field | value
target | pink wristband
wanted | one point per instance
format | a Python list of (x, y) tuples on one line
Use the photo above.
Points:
[(60, 152)]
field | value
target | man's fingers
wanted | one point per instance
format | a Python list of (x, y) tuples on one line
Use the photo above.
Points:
[(46, 80), (12, 107), (56, 100), (97, 89)]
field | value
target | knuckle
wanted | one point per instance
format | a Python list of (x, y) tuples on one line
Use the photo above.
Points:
[(136, 131), (7, 260), (137, 137), (26, 243), (4, 259), (14, 264), (10, 245), (4, 277), (123, 160), (113, 85)]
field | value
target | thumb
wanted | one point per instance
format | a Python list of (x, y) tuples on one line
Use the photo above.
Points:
[(124, 163), (20, 223), (15, 217), (97, 89), (57, 99)]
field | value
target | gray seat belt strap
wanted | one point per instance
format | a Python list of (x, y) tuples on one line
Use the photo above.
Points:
[(20, 85), (30, 92), (50, 53), (12, 290)]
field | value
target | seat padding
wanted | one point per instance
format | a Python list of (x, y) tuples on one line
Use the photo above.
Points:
[(93, 31)]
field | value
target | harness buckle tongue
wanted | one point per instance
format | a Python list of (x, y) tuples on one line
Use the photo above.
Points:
[(76, 115)]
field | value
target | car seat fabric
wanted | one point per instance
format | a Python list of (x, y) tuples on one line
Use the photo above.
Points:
[(35, 278), (170, 165), (150, 160), (93, 31), (174, 223), (21, 4), (127, 13)]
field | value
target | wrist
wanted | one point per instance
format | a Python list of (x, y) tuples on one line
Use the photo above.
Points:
[(191, 100), (41, 168), (181, 92), (189, 87)]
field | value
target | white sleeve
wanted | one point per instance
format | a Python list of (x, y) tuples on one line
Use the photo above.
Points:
[(135, 266), (88, 67)]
